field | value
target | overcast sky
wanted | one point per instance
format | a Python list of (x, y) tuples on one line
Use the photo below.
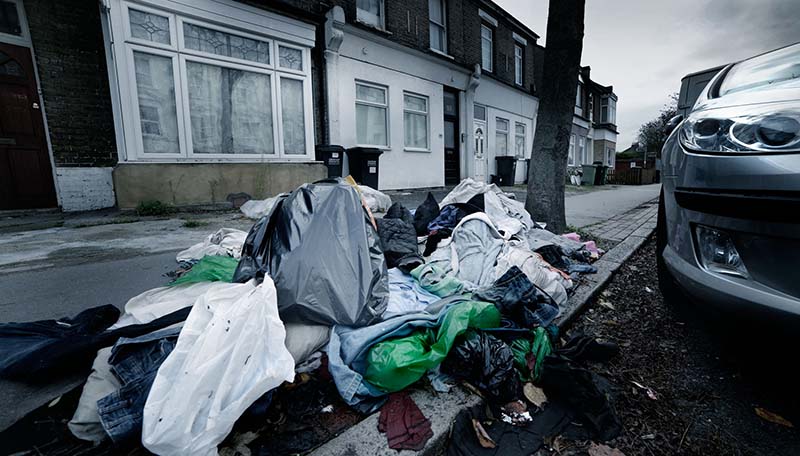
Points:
[(644, 47)]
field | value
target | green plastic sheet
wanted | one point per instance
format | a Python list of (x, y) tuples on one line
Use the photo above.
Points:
[(210, 268), (538, 348), (394, 364)]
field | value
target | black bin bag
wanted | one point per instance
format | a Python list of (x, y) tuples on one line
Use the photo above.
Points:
[(323, 254)]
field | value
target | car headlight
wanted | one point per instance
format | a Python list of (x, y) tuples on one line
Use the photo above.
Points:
[(767, 128)]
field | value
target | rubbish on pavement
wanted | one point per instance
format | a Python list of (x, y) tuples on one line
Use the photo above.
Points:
[(598, 449), (508, 214), (773, 417), (425, 214), (486, 362), (210, 268), (402, 421), (376, 201), (230, 352), (394, 364), (534, 395), (515, 413), (436, 280), (224, 242), (323, 254), (483, 437), (406, 295), (255, 209), (519, 300), (529, 354), (85, 423), (399, 239)]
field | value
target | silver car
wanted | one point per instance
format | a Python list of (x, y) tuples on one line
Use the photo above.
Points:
[(729, 215)]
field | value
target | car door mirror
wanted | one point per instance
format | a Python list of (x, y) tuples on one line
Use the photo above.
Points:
[(672, 123)]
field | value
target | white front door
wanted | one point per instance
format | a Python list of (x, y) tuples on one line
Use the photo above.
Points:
[(480, 151)]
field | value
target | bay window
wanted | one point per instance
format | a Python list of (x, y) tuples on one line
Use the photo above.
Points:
[(582, 149), (415, 121), (372, 105), (519, 139), (501, 137), (608, 110), (197, 90)]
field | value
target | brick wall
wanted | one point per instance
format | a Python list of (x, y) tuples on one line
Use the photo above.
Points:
[(68, 43)]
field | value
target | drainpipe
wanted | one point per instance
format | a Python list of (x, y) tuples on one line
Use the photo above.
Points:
[(469, 114), (334, 35)]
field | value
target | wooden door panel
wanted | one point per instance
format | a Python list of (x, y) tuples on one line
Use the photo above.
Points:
[(26, 177)]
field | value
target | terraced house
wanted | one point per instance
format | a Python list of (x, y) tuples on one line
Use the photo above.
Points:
[(201, 101)]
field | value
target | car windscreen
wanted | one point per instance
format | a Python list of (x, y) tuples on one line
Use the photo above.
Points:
[(779, 67)]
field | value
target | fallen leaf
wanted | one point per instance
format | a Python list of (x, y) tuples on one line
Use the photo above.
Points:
[(649, 391), (483, 436), (534, 394), (603, 450), (773, 417), (606, 304)]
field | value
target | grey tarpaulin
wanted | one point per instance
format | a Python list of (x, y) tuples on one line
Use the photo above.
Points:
[(324, 255)]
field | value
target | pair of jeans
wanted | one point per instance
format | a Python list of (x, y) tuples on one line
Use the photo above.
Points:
[(43, 350), (135, 363), (520, 299), (349, 346)]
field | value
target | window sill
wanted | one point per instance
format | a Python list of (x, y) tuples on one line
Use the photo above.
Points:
[(443, 54), (373, 27), (416, 150), (371, 146)]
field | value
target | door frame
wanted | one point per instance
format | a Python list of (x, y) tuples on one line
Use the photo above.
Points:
[(456, 120), (25, 41)]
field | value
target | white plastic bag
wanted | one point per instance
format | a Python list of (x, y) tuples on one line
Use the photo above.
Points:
[(376, 201), (255, 209), (225, 242), (155, 303), (230, 352)]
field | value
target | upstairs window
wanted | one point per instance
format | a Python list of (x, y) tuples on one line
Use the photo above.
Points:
[(501, 137), (608, 110), (610, 157), (370, 12), (438, 25), (372, 105), (518, 64), (487, 48)]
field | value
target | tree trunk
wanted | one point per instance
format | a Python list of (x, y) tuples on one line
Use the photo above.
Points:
[(562, 57)]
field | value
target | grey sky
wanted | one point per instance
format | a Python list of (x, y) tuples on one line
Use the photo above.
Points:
[(644, 47)]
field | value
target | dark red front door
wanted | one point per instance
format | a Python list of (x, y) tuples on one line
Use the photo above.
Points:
[(26, 177)]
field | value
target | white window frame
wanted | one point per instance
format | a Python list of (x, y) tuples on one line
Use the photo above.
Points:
[(366, 18), (498, 132), (518, 135), (490, 67), (571, 153), (443, 24), (24, 38), (384, 106), (519, 64), (224, 16), (610, 157), (582, 149), (426, 113), (611, 110)]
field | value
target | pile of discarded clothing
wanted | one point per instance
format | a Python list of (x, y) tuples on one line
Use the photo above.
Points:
[(462, 290)]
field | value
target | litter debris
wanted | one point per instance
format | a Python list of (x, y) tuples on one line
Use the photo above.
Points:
[(320, 298), (649, 391), (534, 395), (648, 289), (773, 417), (402, 421), (596, 449), (606, 304), (483, 437)]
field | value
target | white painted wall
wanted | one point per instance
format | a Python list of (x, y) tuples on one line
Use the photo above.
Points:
[(85, 189), (511, 104), (398, 168)]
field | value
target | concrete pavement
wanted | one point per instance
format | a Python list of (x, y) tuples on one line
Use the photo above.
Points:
[(587, 209)]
